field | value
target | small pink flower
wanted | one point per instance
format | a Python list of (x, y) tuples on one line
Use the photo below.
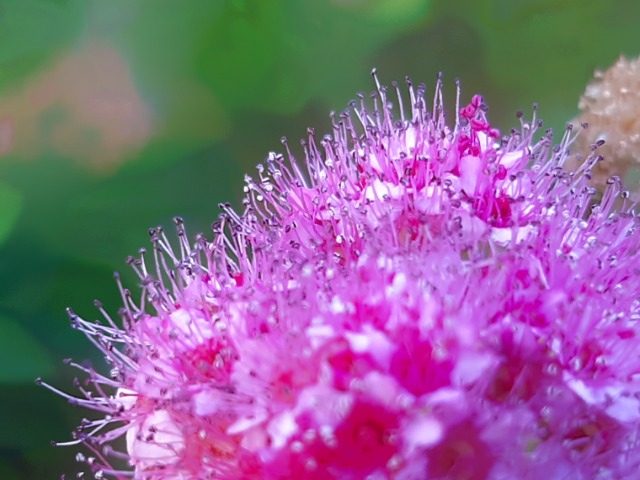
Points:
[(364, 439), (460, 455), (421, 297), (417, 367)]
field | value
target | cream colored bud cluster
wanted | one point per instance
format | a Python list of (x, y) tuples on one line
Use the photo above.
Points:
[(611, 107)]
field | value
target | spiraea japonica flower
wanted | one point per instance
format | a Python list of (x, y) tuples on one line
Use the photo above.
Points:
[(419, 297)]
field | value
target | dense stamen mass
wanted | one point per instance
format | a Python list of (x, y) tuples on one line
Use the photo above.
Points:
[(416, 298)]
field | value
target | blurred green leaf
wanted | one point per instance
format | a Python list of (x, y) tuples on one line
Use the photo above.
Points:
[(32, 30), (272, 55), (8, 471), (30, 415), (10, 207), (550, 47), (22, 358), (110, 219)]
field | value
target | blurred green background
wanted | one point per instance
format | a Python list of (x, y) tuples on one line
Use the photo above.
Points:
[(116, 115)]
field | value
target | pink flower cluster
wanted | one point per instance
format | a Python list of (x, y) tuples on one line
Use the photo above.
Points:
[(419, 298)]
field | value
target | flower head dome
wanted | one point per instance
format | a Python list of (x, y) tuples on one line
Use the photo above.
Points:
[(419, 297)]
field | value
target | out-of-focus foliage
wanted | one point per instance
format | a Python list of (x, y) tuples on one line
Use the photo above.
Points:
[(10, 206), (31, 31), (117, 115)]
